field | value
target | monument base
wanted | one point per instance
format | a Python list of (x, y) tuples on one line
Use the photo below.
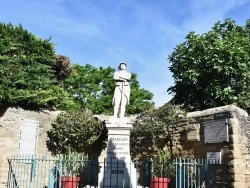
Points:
[(116, 166)]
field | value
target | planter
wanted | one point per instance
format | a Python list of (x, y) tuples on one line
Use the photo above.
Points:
[(69, 182), (159, 182)]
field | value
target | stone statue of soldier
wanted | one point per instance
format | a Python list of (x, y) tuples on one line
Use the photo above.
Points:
[(122, 90)]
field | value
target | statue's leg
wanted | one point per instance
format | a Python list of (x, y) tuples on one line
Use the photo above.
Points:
[(123, 106), (117, 101), (116, 110)]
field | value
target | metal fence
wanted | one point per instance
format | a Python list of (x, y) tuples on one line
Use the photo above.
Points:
[(200, 173), (31, 171)]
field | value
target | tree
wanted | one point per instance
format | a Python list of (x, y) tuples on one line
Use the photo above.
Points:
[(76, 131), (26, 66), (140, 99), (212, 69), (155, 129), (93, 88)]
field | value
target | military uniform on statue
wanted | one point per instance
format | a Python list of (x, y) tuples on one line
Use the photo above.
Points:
[(122, 91)]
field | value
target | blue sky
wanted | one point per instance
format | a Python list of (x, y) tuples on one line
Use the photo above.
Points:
[(105, 32)]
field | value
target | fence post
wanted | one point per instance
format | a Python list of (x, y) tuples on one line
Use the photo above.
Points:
[(32, 169), (207, 175), (180, 173), (60, 170)]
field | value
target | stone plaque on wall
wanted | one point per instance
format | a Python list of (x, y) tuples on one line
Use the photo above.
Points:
[(214, 157), (193, 132), (28, 135), (216, 131)]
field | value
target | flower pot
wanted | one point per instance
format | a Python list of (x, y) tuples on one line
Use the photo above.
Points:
[(69, 182), (159, 182)]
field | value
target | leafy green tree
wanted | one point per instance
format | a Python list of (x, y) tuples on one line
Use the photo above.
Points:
[(76, 131), (93, 89), (212, 69), (154, 129), (140, 99), (26, 67)]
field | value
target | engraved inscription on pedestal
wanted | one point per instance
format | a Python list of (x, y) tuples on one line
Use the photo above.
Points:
[(193, 132), (118, 147), (216, 131)]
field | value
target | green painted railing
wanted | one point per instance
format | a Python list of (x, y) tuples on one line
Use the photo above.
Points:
[(39, 171)]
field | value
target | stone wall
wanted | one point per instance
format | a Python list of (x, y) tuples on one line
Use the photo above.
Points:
[(9, 134), (235, 151), (245, 130)]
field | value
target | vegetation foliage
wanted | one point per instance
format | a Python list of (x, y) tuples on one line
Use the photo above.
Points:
[(161, 164), (93, 88), (212, 69), (26, 66), (76, 131), (154, 129)]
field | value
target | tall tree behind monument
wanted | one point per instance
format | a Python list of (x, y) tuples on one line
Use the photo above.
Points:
[(212, 69), (27, 75), (93, 88)]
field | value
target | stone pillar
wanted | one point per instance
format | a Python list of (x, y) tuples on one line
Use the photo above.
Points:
[(116, 166)]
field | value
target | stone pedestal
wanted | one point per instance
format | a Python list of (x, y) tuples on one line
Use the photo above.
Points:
[(116, 166)]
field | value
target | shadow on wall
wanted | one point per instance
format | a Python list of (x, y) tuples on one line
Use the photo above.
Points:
[(3, 109)]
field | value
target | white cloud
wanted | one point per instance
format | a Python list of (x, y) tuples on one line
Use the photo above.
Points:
[(204, 13)]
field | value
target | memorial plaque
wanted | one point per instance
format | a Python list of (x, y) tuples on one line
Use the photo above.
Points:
[(118, 147), (216, 131), (193, 132), (214, 157), (28, 136)]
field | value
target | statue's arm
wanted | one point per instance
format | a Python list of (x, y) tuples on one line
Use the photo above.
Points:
[(122, 77), (116, 76), (126, 76)]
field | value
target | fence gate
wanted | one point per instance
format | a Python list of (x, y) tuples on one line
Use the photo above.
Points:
[(30, 171)]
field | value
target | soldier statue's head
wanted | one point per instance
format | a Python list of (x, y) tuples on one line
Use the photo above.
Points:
[(122, 66)]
